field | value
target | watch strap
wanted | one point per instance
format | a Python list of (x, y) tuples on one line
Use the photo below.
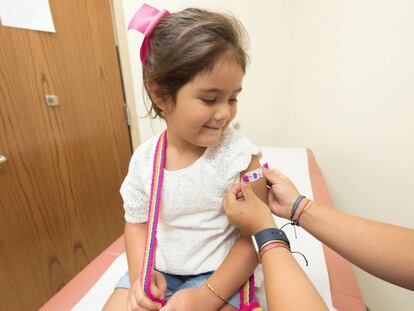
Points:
[(269, 234)]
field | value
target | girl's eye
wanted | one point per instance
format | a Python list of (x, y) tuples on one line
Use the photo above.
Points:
[(209, 101), (214, 100)]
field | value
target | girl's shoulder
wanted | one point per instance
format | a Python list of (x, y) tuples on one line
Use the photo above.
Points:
[(145, 151), (140, 165), (234, 143), (232, 154)]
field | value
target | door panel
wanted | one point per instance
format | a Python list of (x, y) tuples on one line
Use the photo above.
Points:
[(59, 188)]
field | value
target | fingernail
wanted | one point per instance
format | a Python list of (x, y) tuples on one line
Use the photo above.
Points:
[(245, 179), (265, 165)]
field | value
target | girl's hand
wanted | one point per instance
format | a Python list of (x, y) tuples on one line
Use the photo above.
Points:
[(283, 193), (246, 211), (138, 300), (190, 299)]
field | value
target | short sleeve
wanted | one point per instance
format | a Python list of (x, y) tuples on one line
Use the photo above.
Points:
[(238, 155), (134, 190)]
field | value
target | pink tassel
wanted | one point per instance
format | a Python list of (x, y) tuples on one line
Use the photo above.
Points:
[(253, 306)]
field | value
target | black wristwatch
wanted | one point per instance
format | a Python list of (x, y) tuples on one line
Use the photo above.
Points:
[(270, 234)]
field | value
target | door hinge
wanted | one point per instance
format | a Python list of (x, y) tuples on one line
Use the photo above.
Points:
[(127, 115)]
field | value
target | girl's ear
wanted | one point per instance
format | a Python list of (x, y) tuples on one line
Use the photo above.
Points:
[(162, 102)]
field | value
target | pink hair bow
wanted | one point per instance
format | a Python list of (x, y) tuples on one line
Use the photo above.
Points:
[(145, 20)]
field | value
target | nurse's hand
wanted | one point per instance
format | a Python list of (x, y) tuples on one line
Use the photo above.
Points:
[(246, 211), (282, 194)]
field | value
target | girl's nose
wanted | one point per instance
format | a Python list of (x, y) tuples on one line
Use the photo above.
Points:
[(222, 112)]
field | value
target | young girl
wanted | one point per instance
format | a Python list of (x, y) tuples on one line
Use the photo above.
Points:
[(193, 67)]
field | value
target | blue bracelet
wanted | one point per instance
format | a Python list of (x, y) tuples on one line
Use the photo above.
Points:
[(296, 205)]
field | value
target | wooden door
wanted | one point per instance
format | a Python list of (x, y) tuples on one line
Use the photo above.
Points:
[(59, 188)]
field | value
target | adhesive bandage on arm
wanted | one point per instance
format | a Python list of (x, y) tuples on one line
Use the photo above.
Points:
[(252, 176)]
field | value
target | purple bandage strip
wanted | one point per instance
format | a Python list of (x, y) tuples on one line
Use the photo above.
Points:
[(252, 175)]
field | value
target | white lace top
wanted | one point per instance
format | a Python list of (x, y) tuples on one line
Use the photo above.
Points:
[(194, 234)]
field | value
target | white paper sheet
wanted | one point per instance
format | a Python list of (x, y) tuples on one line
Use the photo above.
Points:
[(27, 14), (97, 296), (293, 162)]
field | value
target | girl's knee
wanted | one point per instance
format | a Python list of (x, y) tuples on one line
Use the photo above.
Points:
[(118, 300)]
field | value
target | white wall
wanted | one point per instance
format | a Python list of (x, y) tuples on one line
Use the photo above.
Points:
[(352, 102), (337, 77)]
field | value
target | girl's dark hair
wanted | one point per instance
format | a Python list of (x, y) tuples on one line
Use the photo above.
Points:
[(187, 43)]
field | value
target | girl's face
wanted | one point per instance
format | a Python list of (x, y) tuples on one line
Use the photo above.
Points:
[(206, 105)]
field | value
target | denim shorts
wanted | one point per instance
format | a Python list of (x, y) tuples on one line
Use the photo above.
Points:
[(177, 282)]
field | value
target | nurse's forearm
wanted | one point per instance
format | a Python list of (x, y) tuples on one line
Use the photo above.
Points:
[(384, 250), (287, 286)]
